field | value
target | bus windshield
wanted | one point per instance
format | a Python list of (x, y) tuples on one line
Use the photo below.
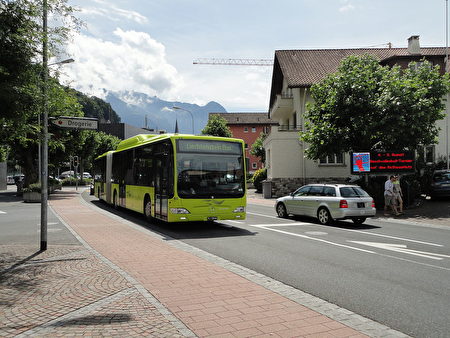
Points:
[(210, 171)]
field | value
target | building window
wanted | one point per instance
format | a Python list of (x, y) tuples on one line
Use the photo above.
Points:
[(245, 130), (332, 159), (254, 165), (253, 130)]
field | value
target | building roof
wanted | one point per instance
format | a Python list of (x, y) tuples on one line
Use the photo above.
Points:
[(305, 67), (245, 118)]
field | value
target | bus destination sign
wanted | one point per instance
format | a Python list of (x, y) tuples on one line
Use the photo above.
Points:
[(209, 146), (382, 162)]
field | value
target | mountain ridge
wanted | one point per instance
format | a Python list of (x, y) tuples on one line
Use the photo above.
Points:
[(141, 110)]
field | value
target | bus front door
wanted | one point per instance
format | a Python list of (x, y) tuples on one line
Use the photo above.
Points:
[(161, 189)]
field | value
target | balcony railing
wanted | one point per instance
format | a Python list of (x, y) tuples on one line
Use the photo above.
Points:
[(285, 127)]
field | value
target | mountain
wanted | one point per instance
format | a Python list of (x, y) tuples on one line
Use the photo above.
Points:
[(141, 110), (95, 107)]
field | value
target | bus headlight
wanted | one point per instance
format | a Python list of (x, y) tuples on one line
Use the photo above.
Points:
[(239, 209), (179, 211)]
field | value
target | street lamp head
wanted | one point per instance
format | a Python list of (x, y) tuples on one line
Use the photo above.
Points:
[(62, 62)]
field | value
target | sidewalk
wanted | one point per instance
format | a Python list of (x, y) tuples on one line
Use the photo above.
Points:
[(122, 280)]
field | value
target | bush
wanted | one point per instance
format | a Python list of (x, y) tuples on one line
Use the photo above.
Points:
[(34, 187), (72, 181), (259, 176), (53, 184)]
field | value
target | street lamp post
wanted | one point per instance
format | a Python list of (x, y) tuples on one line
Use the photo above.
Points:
[(44, 144), (192, 116), (446, 70)]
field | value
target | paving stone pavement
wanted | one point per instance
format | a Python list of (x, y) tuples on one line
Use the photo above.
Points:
[(68, 291), (123, 280)]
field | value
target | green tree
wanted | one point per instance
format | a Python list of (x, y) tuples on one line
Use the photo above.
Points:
[(258, 149), (92, 145), (365, 104), (217, 126)]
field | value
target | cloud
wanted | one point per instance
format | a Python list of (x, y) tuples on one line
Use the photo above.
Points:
[(347, 6), (112, 12), (135, 62)]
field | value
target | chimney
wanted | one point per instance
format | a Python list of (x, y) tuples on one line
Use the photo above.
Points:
[(414, 45)]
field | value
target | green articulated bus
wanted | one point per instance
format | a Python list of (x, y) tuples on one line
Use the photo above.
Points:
[(174, 177)]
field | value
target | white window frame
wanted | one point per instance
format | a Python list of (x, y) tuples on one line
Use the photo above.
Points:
[(335, 159)]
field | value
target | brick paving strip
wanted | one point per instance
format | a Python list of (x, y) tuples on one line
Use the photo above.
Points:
[(212, 296), (67, 291)]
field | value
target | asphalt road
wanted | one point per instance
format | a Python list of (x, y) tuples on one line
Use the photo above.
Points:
[(395, 274), (20, 223)]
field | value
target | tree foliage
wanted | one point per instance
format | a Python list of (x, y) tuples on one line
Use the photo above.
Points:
[(217, 126), (258, 149), (365, 104)]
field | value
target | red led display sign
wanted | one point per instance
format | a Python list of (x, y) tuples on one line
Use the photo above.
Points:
[(384, 162)]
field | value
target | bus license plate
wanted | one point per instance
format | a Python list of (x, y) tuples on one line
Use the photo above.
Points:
[(212, 218)]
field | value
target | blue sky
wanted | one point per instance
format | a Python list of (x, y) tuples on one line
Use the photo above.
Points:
[(148, 46)]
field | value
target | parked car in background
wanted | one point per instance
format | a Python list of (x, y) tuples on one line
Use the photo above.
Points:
[(328, 202), (66, 174), (87, 175), (10, 180), (440, 184)]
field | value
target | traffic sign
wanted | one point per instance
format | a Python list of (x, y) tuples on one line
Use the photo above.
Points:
[(75, 122)]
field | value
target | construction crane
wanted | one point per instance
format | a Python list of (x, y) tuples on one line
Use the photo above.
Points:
[(233, 62)]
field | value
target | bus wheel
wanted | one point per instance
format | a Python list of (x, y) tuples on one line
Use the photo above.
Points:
[(116, 206), (147, 208)]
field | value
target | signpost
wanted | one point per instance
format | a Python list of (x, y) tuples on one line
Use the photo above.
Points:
[(75, 122), (62, 122)]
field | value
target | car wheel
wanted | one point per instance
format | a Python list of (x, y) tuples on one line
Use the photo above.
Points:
[(359, 220), (281, 210), (148, 209), (324, 217)]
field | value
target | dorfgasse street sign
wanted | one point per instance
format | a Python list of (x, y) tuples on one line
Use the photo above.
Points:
[(75, 122)]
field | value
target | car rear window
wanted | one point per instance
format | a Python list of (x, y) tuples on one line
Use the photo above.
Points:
[(352, 192), (441, 177)]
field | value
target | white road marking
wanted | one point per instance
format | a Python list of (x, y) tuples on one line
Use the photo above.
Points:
[(358, 231), (403, 249), (237, 222), (49, 223), (262, 215), (316, 233), (277, 225), (266, 227), (2, 212), (393, 237)]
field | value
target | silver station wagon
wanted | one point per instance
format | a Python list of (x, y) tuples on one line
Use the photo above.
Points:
[(328, 202)]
